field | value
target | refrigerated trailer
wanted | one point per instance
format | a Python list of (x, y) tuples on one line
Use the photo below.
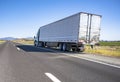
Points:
[(70, 33)]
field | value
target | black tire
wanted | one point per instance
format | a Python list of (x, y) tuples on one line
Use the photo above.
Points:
[(73, 49)]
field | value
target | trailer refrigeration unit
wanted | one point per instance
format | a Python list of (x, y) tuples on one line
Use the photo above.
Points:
[(70, 33)]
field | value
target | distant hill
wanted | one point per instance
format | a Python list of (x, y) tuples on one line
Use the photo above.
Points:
[(8, 38), (12, 38)]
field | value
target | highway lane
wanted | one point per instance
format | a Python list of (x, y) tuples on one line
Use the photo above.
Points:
[(25, 63)]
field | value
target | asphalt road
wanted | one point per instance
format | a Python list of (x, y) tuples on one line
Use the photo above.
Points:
[(25, 63)]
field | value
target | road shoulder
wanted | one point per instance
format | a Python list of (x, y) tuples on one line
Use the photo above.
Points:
[(111, 61)]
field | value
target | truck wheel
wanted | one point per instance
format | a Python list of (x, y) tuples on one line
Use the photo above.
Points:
[(61, 46), (64, 47), (73, 49)]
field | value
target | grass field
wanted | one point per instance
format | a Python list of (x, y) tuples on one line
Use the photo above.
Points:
[(110, 43), (2, 41), (24, 41), (105, 48)]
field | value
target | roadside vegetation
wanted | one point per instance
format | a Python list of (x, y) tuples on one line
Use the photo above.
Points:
[(2, 41), (107, 48), (24, 41)]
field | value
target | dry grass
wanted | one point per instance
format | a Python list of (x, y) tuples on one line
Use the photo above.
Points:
[(24, 41), (104, 50), (2, 41)]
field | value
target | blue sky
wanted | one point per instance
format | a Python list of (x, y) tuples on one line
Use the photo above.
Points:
[(22, 18)]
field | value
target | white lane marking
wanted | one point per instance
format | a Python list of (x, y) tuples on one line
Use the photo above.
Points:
[(52, 77), (18, 48), (100, 62)]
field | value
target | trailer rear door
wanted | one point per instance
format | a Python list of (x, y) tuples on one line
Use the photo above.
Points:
[(89, 28)]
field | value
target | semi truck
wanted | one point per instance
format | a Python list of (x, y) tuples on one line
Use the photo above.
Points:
[(70, 33)]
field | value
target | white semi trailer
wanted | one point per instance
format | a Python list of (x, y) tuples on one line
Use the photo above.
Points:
[(70, 33)]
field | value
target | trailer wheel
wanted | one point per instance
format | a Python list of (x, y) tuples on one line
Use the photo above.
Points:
[(61, 46), (73, 49), (64, 47)]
